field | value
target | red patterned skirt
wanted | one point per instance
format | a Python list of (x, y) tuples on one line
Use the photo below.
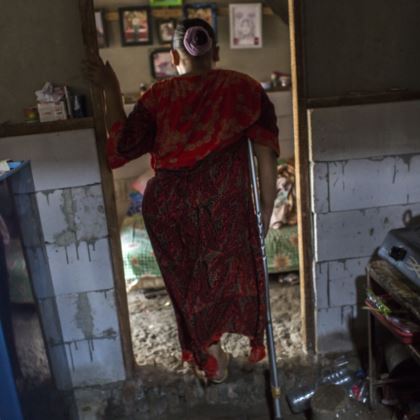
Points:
[(203, 231)]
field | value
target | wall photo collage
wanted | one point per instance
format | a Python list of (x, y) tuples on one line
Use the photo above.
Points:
[(138, 24)]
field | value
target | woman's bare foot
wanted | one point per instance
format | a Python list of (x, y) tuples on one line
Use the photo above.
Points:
[(222, 358)]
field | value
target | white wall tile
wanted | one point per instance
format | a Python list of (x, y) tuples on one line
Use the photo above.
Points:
[(333, 329), (364, 183), (339, 283), (80, 269), (72, 215), (356, 233), (321, 281), (319, 186), (56, 214), (88, 315), (95, 362), (347, 281), (89, 213)]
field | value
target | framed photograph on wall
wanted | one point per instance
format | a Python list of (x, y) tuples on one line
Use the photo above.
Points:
[(245, 25), (161, 64), (165, 30), (205, 11), (101, 33), (135, 25)]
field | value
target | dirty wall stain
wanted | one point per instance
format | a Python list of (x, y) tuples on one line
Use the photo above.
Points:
[(84, 215)]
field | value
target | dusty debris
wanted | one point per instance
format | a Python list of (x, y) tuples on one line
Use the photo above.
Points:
[(155, 337), (328, 402)]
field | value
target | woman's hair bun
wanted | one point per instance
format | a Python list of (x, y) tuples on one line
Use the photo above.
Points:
[(197, 41), (194, 36)]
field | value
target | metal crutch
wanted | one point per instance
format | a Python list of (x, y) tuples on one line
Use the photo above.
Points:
[(274, 378)]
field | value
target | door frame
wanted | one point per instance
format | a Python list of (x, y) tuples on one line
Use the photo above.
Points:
[(303, 190), (87, 15), (303, 184)]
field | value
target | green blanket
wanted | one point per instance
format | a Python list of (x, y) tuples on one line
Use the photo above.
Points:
[(282, 249)]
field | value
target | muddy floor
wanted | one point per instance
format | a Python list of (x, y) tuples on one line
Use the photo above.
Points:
[(155, 344), (154, 332)]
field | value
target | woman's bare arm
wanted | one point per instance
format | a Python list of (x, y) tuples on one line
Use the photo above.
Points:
[(267, 174)]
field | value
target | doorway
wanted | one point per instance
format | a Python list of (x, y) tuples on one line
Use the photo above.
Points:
[(153, 337)]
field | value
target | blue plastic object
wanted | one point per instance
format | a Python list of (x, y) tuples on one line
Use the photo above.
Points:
[(9, 402), (13, 164)]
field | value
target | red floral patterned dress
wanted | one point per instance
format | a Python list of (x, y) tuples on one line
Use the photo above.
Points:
[(198, 208)]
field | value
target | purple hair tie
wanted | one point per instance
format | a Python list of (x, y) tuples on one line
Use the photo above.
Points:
[(190, 42)]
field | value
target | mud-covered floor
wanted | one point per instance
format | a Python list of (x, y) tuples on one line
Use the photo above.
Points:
[(37, 393), (154, 332), (155, 344)]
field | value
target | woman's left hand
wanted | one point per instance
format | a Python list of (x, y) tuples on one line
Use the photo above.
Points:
[(99, 73)]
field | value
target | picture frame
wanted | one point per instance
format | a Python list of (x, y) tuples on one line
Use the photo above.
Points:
[(165, 30), (245, 24), (135, 26), (161, 64), (205, 11), (165, 3), (101, 32)]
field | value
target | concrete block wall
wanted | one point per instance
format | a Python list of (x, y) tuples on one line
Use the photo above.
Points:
[(365, 175), (67, 244)]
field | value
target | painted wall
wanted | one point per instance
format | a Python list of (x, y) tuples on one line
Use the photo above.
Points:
[(365, 181), (361, 46), (41, 41), (132, 63)]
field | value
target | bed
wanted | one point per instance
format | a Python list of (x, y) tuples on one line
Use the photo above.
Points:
[(281, 242)]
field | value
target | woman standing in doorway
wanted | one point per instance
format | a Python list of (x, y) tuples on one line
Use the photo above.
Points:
[(198, 208)]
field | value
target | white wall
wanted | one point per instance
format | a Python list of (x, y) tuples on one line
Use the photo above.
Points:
[(365, 171), (67, 243)]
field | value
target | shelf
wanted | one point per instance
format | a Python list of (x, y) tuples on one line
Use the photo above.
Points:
[(6, 175), (362, 98), (24, 129), (396, 285)]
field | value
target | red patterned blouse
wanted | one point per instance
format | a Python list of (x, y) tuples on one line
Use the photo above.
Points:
[(181, 120)]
